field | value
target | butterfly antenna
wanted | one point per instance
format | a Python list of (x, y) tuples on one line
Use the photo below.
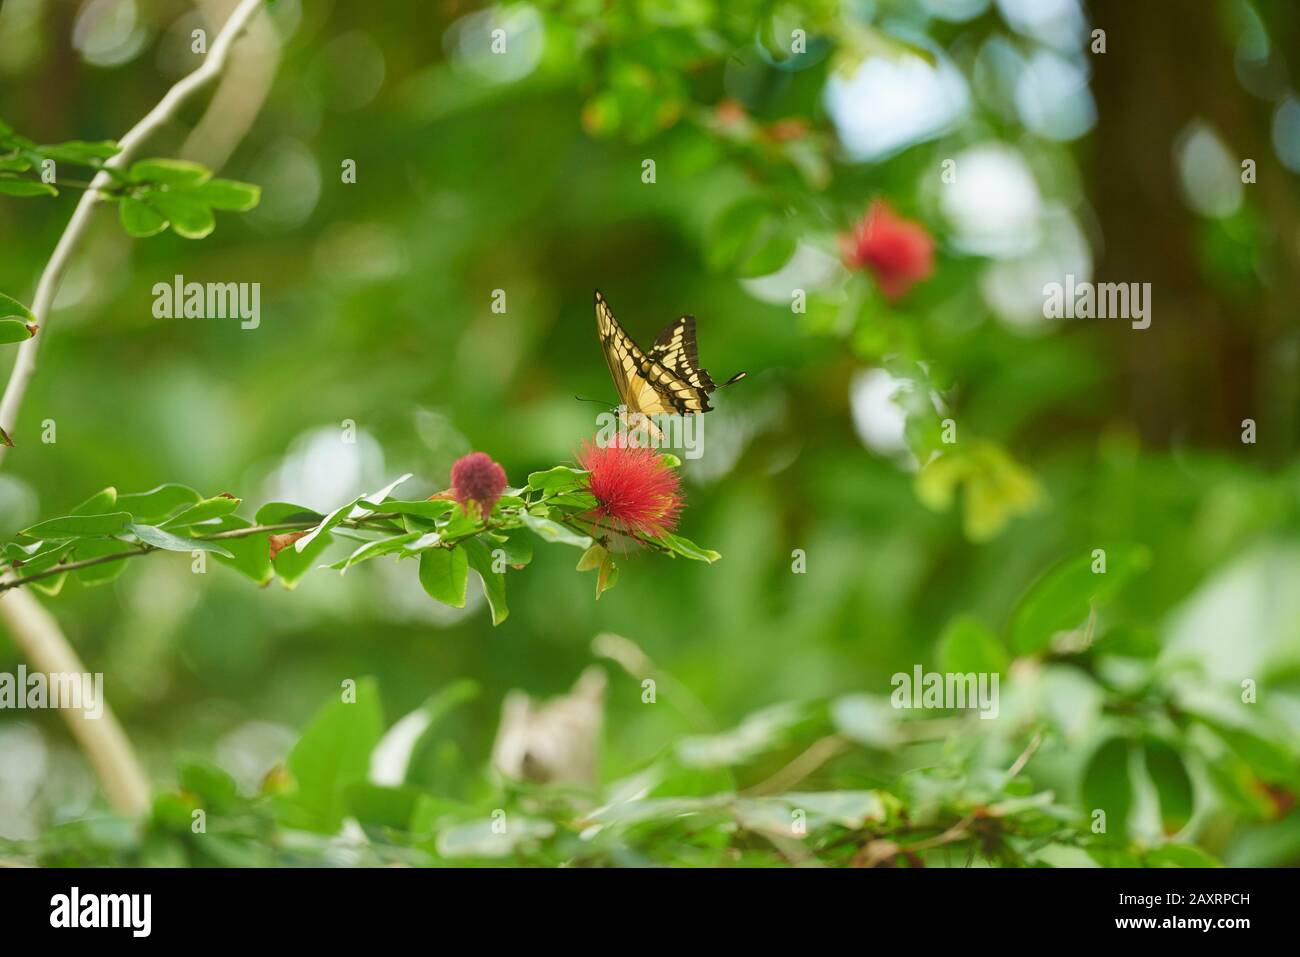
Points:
[(608, 405)]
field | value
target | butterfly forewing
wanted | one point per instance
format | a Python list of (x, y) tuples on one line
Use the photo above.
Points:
[(621, 353), (667, 379)]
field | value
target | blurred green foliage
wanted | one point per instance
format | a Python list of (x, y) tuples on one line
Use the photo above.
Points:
[(1164, 690)]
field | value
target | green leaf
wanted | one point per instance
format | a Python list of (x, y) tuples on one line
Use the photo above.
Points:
[(383, 807), (277, 513), (99, 503), (518, 548), (575, 502), (1173, 785), (483, 839), (1129, 641), (373, 500), (330, 521), (607, 577), (592, 558), (80, 526), (623, 814), (333, 754), (14, 164), (11, 308), (968, 645), (140, 219), (494, 582), (936, 484), (363, 504), (996, 488), (158, 538), (687, 548), (554, 531), (1180, 855), (211, 784), (12, 186), (1107, 786), (97, 548), (560, 477), (394, 760), (228, 194), (251, 556), (761, 731), (751, 238), (155, 505), (38, 556), (290, 564), (431, 508), (383, 546), (444, 573), (507, 503), (848, 809), (866, 719), (431, 813), (1268, 760), (189, 217), (203, 511), (79, 152), (1063, 597), (170, 172), (16, 550), (52, 586), (15, 330)]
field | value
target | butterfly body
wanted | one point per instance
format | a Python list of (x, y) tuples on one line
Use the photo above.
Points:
[(666, 380)]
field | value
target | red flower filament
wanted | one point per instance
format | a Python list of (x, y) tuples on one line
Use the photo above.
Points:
[(897, 252), (636, 492)]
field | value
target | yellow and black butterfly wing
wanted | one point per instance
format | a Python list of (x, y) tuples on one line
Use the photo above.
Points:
[(621, 353), (645, 383), (677, 351)]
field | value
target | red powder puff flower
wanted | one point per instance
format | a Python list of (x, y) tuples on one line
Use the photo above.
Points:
[(898, 252), (476, 478), (635, 490)]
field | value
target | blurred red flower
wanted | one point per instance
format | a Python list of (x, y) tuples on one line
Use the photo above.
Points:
[(897, 252), (635, 490), (476, 478)]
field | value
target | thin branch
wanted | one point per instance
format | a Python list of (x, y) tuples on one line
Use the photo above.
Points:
[(25, 364), (61, 569), (958, 832), (18, 582), (31, 628), (1019, 764), (817, 754), (70, 183), (102, 740), (13, 581), (595, 532), (878, 851)]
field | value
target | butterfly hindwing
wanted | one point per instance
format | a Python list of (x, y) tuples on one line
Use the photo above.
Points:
[(666, 380), (677, 350)]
